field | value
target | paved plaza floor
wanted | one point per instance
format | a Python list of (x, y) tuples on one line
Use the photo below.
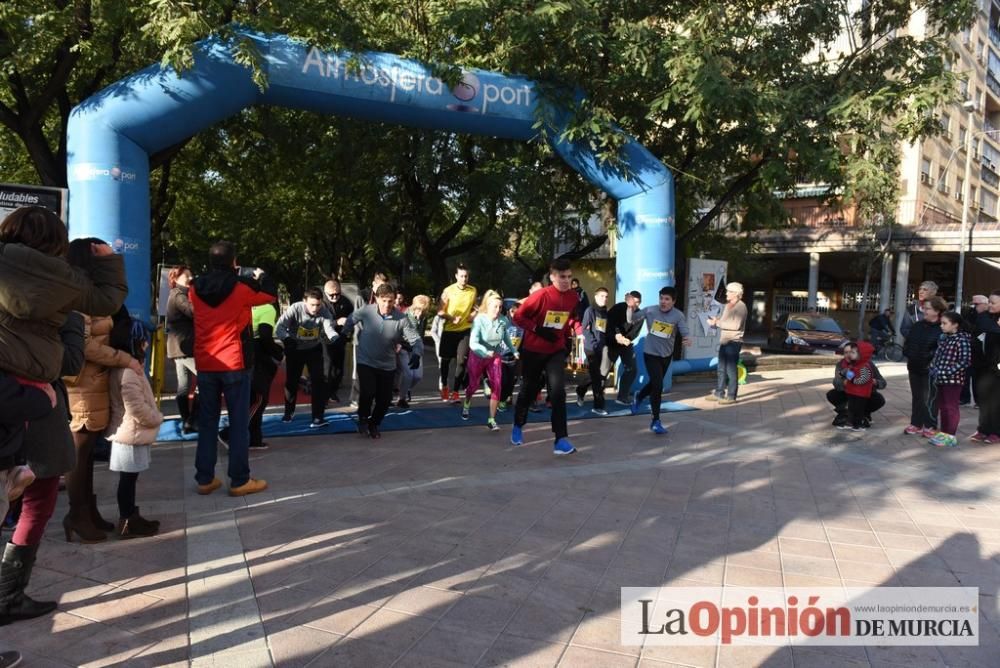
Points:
[(451, 548)]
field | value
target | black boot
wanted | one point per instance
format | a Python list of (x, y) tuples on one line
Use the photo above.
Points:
[(15, 571), (136, 526), (95, 515)]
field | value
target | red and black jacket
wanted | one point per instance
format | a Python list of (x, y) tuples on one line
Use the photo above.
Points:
[(223, 339)]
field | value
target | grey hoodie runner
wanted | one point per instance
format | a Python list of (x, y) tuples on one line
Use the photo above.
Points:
[(376, 342), (661, 329), (296, 323)]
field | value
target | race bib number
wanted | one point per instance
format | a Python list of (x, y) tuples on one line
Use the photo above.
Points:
[(556, 319), (600, 324), (307, 334), (664, 330)]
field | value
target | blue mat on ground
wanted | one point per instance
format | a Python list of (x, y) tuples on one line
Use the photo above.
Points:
[(429, 417)]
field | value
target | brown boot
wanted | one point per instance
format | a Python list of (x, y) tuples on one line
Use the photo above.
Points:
[(79, 519), (136, 526)]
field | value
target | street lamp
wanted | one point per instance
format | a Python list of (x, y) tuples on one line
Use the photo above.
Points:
[(970, 106)]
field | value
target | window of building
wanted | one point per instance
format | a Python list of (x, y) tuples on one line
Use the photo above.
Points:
[(925, 171), (963, 85), (959, 188), (963, 135), (945, 122), (988, 202)]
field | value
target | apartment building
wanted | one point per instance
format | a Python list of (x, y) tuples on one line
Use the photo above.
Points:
[(815, 261)]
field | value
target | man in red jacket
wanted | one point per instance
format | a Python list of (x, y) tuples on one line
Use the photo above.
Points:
[(223, 352), (546, 316)]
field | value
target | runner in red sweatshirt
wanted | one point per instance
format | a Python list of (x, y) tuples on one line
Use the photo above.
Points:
[(546, 316)]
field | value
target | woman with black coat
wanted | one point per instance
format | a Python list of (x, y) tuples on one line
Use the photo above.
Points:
[(986, 372), (921, 342)]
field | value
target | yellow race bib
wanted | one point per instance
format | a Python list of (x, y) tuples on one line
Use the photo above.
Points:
[(664, 330), (556, 319), (600, 324), (307, 334)]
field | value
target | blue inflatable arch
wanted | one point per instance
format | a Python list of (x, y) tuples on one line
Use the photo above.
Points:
[(112, 134)]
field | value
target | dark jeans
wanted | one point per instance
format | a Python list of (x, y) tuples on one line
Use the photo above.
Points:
[(727, 374), (536, 367), (627, 376), (334, 358), (988, 395), (312, 359), (839, 399), (596, 366), (923, 409), (235, 386), (656, 369), (375, 386)]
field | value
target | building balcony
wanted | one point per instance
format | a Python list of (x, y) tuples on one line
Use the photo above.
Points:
[(993, 93)]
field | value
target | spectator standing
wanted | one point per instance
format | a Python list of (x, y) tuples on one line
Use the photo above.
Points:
[(987, 372), (980, 304), (732, 323), (180, 342), (134, 424), (919, 349), (915, 311), (948, 370), (223, 351)]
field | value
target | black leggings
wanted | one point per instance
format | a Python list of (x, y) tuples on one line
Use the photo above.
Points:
[(534, 368), (656, 369), (126, 494)]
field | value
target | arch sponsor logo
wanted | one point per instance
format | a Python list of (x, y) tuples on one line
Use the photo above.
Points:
[(654, 221), (655, 274), (469, 95), (89, 171), (125, 245)]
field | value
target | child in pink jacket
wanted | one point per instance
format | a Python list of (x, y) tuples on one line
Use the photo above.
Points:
[(134, 424)]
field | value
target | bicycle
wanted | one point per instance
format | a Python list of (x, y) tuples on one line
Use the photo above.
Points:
[(886, 349)]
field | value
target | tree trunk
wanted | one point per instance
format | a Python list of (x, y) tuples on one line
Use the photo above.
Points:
[(864, 297)]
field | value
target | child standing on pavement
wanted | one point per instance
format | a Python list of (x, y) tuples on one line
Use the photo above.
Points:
[(951, 363), (132, 429)]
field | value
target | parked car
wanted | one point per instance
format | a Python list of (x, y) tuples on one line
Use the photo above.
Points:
[(806, 333)]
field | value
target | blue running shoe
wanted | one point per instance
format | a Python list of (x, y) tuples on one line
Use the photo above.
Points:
[(657, 428), (563, 447), (633, 406), (515, 436)]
